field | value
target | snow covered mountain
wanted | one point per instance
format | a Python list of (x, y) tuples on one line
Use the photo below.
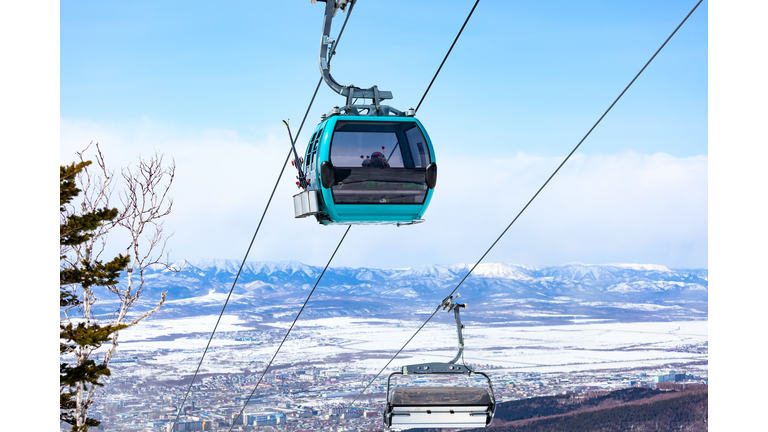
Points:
[(505, 293)]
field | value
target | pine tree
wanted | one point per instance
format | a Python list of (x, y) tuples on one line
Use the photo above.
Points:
[(84, 226)]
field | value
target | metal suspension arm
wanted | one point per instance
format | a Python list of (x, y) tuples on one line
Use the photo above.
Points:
[(451, 305), (327, 47)]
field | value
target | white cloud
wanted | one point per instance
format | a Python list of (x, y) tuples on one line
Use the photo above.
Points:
[(625, 207)]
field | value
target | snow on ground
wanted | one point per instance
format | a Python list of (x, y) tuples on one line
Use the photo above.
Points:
[(153, 335), (168, 348)]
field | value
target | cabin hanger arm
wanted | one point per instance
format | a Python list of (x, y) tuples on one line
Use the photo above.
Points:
[(327, 48), (451, 305)]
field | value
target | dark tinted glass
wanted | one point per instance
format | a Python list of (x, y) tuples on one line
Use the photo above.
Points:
[(379, 186), (379, 163), (378, 144)]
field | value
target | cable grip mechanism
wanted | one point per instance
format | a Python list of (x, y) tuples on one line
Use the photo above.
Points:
[(449, 305)]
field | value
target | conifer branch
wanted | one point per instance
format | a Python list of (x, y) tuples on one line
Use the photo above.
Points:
[(85, 224)]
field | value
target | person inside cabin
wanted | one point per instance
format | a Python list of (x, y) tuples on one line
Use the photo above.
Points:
[(378, 160)]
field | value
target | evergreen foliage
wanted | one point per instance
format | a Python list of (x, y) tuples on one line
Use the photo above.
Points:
[(86, 220), (76, 229)]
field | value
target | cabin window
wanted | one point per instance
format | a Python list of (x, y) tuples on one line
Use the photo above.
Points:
[(418, 147), (308, 153), (313, 148), (379, 163), (378, 144)]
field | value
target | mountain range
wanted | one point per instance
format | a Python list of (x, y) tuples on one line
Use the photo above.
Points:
[(504, 294)]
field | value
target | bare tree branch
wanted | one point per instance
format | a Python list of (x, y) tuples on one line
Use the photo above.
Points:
[(144, 201)]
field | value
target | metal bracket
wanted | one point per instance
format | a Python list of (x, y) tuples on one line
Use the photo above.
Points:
[(435, 368), (413, 222), (365, 110), (328, 47)]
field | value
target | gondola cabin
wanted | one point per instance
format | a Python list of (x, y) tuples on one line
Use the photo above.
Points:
[(368, 170)]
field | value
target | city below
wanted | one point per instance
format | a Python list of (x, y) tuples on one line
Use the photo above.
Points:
[(145, 391), (575, 329)]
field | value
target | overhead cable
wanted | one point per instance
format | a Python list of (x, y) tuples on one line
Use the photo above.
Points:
[(446, 55), (247, 252), (290, 328), (530, 201)]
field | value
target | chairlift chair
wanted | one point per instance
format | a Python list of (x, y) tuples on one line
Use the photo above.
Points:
[(440, 407)]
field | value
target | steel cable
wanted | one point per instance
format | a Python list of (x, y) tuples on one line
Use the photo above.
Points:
[(279, 177), (446, 56), (234, 421), (529, 202)]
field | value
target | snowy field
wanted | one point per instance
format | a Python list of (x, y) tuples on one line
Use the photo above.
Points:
[(170, 349)]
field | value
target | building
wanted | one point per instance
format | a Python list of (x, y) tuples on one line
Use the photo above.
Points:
[(201, 425), (670, 376), (336, 410), (353, 413), (265, 418)]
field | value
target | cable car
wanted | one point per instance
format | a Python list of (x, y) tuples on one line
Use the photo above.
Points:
[(365, 163), (369, 170), (440, 407)]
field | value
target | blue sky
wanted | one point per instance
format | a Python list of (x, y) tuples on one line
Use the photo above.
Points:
[(63, 90), (208, 85)]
